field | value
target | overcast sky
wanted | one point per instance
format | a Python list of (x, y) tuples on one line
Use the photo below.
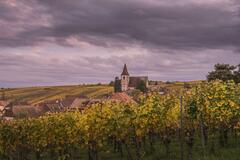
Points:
[(56, 42)]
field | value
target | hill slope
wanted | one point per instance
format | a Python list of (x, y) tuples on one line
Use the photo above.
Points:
[(34, 95)]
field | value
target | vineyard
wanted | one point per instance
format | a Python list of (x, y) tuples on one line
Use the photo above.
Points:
[(36, 95), (191, 124)]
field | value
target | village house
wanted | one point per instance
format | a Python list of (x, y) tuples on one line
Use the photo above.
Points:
[(130, 82), (23, 111), (122, 98), (3, 105), (79, 104)]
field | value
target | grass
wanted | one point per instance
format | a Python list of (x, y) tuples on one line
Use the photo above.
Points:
[(35, 95), (229, 152)]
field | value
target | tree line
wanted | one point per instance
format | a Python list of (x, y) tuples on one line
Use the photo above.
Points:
[(225, 72)]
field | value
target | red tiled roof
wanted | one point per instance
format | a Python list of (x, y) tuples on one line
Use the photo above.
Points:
[(4, 103), (82, 103), (122, 97), (78, 102)]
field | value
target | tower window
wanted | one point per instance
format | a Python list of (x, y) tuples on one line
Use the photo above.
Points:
[(123, 77)]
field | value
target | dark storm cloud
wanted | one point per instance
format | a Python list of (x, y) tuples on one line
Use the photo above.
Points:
[(19, 17), (155, 25), (184, 25)]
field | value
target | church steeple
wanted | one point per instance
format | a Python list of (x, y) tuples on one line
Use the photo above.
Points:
[(124, 78), (125, 71)]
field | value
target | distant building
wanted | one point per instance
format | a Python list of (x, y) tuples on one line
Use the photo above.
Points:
[(128, 83), (24, 111), (3, 105), (122, 98), (83, 103)]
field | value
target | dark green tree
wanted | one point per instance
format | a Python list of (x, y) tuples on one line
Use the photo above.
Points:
[(237, 74), (222, 72), (142, 86), (117, 85), (111, 83)]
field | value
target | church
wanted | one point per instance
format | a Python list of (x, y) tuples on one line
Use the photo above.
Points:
[(130, 82)]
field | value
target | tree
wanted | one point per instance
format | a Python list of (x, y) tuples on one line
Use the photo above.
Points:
[(222, 72), (237, 75), (117, 86), (111, 83), (142, 86)]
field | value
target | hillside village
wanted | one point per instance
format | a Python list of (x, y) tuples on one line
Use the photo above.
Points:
[(10, 110), (128, 87)]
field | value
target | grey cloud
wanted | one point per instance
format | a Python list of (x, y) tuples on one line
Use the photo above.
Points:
[(183, 39), (22, 70), (28, 70), (19, 17), (120, 23), (187, 26), (162, 66)]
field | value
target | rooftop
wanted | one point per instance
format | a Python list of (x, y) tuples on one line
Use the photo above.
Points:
[(125, 70)]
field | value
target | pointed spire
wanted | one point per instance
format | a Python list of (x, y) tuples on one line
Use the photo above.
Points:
[(125, 70)]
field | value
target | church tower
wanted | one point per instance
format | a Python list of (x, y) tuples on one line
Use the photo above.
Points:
[(124, 78)]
